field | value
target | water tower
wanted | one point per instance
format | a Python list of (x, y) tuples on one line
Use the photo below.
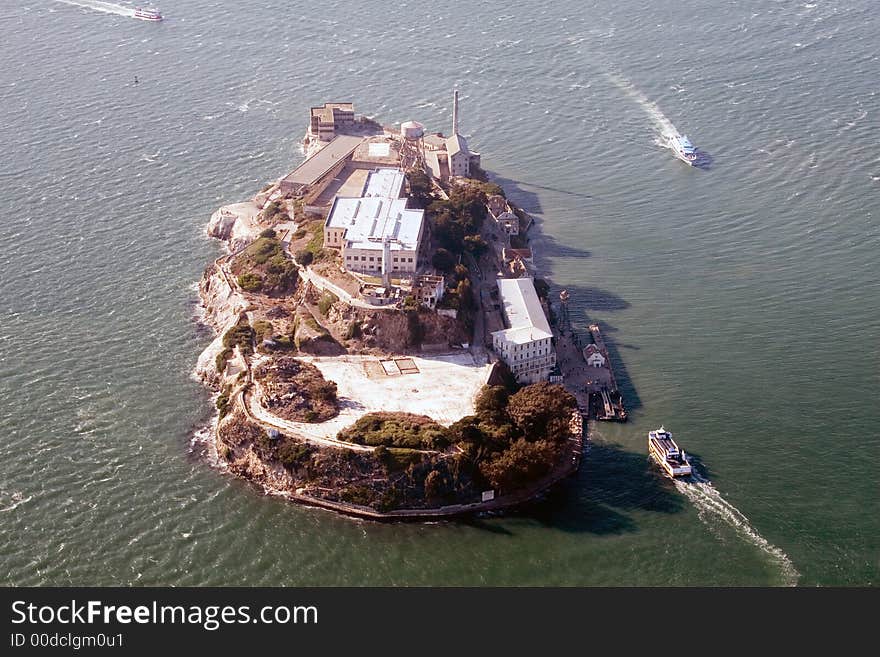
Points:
[(412, 149)]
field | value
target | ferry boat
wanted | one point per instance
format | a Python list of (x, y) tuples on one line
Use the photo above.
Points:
[(683, 148), (146, 14), (666, 453)]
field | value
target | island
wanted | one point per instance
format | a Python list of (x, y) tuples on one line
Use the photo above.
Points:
[(382, 341)]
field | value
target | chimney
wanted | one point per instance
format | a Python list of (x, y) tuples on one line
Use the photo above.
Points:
[(455, 112)]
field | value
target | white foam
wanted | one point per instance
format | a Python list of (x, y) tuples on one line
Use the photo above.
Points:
[(712, 507), (661, 122), (98, 5)]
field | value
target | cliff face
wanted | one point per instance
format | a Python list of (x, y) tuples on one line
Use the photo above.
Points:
[(236, 225), (223, 306)]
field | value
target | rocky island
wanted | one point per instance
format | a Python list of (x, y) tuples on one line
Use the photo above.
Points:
[(382, 345)]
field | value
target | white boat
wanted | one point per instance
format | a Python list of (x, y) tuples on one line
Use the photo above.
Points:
[(664, 450), (147, 14), (683, 148)]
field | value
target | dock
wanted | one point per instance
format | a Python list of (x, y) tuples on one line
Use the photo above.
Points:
[(586, 370), (606, 402)]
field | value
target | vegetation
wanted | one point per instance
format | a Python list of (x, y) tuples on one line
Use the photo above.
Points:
[(459, 217), (241, 335), (296, 390), (263, 267), (397, 430), (443, 260), (274, 213), (250, 282), (420, 189), (515, 437), (304, 257), (316, 243), (326, 302), (222, 402)]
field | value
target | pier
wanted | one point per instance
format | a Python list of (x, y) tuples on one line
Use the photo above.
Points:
[(586, 370)]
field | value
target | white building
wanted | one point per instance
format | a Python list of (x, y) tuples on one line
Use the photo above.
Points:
[(376, 228), (593, 356), (526, 346)]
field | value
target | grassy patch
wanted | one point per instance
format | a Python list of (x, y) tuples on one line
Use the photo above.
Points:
[(397, 430)]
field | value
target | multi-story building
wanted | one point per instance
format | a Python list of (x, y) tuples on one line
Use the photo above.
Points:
[(376, 233), (331, 119), (527, 344)]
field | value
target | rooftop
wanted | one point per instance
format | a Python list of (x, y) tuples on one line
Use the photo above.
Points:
[(523, 311), (321, 162), (385, 182), (325, 111), (455, 144), (370, 219)]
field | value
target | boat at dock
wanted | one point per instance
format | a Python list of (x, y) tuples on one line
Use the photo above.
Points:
[(683, 148), (666, 453), (147, 14)]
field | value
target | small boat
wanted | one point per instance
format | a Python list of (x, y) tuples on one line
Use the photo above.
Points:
[(147, 14), (666, 453), (683, 148)]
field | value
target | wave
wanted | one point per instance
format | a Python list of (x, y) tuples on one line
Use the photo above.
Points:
[(98, 5), (712, 507)]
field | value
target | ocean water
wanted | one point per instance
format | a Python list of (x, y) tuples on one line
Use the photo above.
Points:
[(741, 302)]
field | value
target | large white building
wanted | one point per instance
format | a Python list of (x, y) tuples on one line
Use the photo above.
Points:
[(527, 345), (377, 228)]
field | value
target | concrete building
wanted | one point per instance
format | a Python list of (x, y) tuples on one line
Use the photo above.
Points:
[(502, 215), (376, 233), (526, 345), (448, 157), (330, 119), (310, 178), (428, 289)]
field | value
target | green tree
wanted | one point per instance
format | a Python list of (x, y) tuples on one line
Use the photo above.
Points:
[(443, 260), (433, 485), (491, 402), (420, 188), (250, 282), (542, 410), (522, 463)]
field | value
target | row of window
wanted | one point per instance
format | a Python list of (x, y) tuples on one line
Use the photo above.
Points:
[(374, 259)]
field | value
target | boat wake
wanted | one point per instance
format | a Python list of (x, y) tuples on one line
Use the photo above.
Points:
[(98, 5), (712, 508), (661, 122)]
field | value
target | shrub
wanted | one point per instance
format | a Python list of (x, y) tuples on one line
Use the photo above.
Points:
[(353, 331), (327, 300), (403, 430), (443, 260), (304, 257), (292, 453), (222, 403), (269, 232), (250, 282), (241, 335), (221, 358)]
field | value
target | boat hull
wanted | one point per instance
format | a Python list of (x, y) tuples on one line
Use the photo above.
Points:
[(670, 469)]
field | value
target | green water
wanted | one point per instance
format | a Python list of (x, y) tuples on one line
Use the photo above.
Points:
[(741, 303)]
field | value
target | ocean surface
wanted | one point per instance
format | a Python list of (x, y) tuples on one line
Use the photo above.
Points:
[(742, 302)]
